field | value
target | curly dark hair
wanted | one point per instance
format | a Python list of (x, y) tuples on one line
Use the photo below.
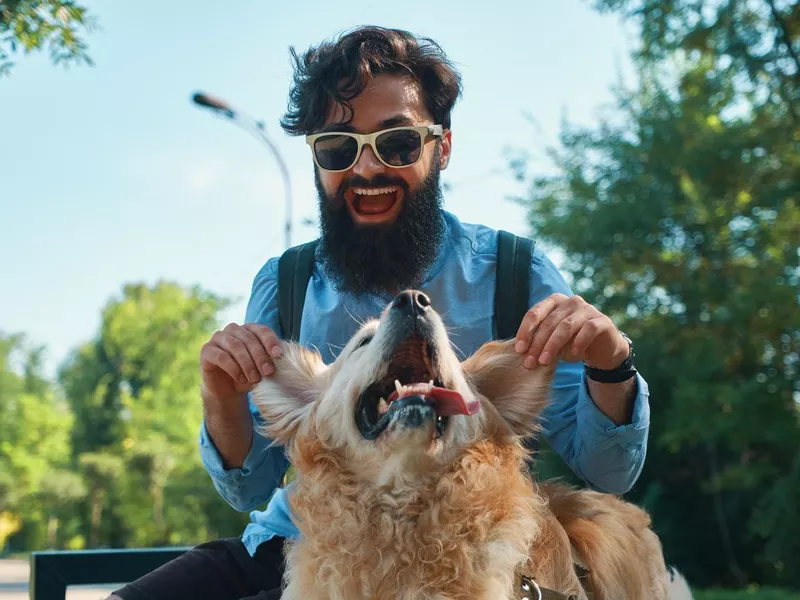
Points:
[(338, 71)]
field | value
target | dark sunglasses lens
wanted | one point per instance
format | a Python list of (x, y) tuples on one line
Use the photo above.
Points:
[(399, 148), (335, 152)]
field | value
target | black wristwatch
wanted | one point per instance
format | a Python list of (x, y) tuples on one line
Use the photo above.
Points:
[(622, 373)]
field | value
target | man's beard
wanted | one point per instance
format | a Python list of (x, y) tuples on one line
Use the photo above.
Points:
[(382, 258)]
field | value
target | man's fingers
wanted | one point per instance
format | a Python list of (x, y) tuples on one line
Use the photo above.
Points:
[(557, 328), (532, 320), (268, 338), (564, 332), (590, 330), (213, 357), (255, 347), (560, 323), (228, 341)]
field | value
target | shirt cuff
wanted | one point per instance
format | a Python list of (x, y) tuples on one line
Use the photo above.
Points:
[(598, 431), (259, 452)]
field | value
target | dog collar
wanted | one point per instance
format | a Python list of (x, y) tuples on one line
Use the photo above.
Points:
[(528, 589)]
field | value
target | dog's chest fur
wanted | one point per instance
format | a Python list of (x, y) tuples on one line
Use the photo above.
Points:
[(460, 536)]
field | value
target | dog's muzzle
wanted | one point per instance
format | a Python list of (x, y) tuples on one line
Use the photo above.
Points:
[(411, 393)]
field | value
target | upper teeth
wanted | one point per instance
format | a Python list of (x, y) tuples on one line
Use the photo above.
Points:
[(412, 388), (404, 390), (374, 191)]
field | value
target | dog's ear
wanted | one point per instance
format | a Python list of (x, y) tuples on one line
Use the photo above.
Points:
[(284, 399), (517, 394)]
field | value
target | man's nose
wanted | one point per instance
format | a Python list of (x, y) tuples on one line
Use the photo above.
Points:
[(368, 164), (411, 303)]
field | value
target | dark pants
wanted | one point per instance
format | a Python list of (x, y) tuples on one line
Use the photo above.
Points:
[(218, 570)]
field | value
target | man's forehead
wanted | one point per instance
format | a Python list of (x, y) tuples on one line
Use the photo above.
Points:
[(386, 101)]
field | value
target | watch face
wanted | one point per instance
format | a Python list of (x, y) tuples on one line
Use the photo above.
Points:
[(629, 361)]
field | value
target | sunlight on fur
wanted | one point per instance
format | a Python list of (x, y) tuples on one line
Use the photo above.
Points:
[(412, 480)]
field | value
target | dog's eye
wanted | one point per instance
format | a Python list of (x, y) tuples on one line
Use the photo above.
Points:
[(364, 341)]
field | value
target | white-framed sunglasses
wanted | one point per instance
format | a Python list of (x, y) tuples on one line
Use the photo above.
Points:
[(396, 147)]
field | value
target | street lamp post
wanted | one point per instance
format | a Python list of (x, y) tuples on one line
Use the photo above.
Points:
[(258, 129)]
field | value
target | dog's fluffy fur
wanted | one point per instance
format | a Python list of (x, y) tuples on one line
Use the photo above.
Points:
[(414, 516)]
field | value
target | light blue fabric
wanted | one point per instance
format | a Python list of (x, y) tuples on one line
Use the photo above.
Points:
[(461, 286)]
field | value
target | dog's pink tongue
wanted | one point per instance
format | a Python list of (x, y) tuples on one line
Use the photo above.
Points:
[(450, 402)]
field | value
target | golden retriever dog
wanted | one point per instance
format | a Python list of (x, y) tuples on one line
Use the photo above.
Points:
[(412, 483)]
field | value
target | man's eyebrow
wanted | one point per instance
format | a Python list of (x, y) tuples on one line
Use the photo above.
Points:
[(395, 121)]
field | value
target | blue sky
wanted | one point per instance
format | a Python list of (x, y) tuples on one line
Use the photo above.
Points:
[(110, 175)]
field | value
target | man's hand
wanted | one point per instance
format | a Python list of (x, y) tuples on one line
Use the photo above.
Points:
[(572, 328), (236, 358), (575, 330), (231, 363)]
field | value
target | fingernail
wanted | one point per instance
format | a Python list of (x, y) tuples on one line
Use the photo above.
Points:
[(519, 346), (530, 362), (243, 380), (255, 377), (267, 369), (544, 358), (275, 352)]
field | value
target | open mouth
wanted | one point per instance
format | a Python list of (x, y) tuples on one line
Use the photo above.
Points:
[(373, 203), (412, 391)]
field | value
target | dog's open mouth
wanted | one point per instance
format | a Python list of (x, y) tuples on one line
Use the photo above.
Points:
[(412, 389)]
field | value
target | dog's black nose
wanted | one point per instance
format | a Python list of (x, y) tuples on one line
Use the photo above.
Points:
[(411, 302)]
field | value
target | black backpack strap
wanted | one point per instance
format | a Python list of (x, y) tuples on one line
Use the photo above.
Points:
[(294, 271), (512, 292), (512, 288)]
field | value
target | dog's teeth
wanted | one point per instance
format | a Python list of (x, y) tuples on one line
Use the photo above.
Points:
[(430, 385), (399, 386), (383, 406)]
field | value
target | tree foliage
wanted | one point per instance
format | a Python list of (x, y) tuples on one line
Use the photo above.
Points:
[(756, 41), (34, 25), (108, 456), (34, 442)]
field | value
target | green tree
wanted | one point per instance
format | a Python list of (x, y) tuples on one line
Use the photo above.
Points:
[(680, 218), (91, 383), (33, 25), (109, 457), (102, 472), (58, 496), (134, 393), (34, 444)]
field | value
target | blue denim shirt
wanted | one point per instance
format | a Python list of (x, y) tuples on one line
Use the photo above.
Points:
[(461, 286)]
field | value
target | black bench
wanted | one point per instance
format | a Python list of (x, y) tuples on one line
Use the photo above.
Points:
[(52, 572)]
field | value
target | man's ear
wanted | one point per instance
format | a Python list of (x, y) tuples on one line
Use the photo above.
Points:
[(284, 399), (446, 149), (517, 394)]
